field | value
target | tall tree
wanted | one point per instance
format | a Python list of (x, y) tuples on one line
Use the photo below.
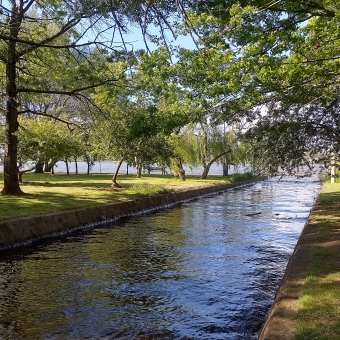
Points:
[(286, 56), (30, 32), (137, 119)]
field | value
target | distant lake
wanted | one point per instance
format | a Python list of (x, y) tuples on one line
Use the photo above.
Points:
[(110, 167)]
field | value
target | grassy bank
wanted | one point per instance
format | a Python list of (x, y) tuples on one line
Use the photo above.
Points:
[(46, 193), (318, 316)]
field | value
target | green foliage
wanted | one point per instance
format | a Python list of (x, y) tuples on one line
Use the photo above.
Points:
[(248, 176), (142, 113), (282, 73), (305, 136), (129, 132), (197, 145), (47, 53), (42, 140), (271, 68)]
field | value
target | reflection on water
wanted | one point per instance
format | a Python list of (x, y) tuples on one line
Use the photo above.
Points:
[(208, 269)]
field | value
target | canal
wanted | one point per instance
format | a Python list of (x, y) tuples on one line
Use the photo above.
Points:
[(206, 269)]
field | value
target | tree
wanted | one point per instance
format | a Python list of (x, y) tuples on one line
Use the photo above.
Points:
[(132, 131), (285, 54), (32, 31), (308, 136), (204, 144), (43, 141)]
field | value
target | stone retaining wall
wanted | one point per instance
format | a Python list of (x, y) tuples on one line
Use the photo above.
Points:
[(27, 230)]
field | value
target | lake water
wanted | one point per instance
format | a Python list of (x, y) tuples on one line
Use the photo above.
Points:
[(206, 269), (110, 167)]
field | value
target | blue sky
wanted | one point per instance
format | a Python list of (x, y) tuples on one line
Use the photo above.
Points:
[(135, 40)]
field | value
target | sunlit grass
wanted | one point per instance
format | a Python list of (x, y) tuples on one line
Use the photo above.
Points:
[(46, 193), (319, 313)]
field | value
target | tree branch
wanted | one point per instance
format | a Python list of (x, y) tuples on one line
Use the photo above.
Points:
[(69, 93), (50, 116)]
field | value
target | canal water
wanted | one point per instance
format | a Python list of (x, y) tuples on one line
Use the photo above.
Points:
[(206, 269)]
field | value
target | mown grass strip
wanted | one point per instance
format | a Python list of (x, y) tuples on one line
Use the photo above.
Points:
[(319, 306), (46, 193)]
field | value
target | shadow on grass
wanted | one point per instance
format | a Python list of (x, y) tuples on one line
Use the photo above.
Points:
[(86, 181), (48, 180), (47, 202)]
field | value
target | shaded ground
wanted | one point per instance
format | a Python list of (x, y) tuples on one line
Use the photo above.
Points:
[(307, 306)]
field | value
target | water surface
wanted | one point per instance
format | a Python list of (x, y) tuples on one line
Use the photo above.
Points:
[(207, 269)]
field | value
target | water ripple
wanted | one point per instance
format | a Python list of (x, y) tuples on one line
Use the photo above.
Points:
[(203, 270)]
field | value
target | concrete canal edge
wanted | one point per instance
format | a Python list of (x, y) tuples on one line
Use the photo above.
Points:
[(24, 231), (280, 324)]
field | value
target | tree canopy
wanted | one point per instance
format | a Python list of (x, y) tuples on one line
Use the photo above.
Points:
[(271, 67), (286, 62), (59, 39)]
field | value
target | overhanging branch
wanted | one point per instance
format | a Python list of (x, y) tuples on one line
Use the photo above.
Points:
[(68, 123), (69, 93)]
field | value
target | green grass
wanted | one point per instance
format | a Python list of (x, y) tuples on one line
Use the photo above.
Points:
[(318, 316), (46, 193)]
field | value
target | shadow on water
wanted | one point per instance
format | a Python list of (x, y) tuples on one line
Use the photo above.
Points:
[(203, 270)]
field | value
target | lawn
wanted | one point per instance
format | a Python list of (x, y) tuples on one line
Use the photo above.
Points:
[(319, 306), (47, 193)]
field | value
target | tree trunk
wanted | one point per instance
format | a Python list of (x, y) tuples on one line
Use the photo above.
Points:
[(67, 167), (11, 180), (20, 173), (181, 171), (20, 176), (46, 166), (114, 178), (139, 171), (50, 165), (89, 163), (207, 166), (138, 166), (39, 168), (225, 169), (76, 163), (206, 171)]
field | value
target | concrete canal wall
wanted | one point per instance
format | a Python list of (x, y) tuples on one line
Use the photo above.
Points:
[(26, 230)]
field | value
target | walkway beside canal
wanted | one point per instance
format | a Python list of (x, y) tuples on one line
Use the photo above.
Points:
[(307, 305)]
